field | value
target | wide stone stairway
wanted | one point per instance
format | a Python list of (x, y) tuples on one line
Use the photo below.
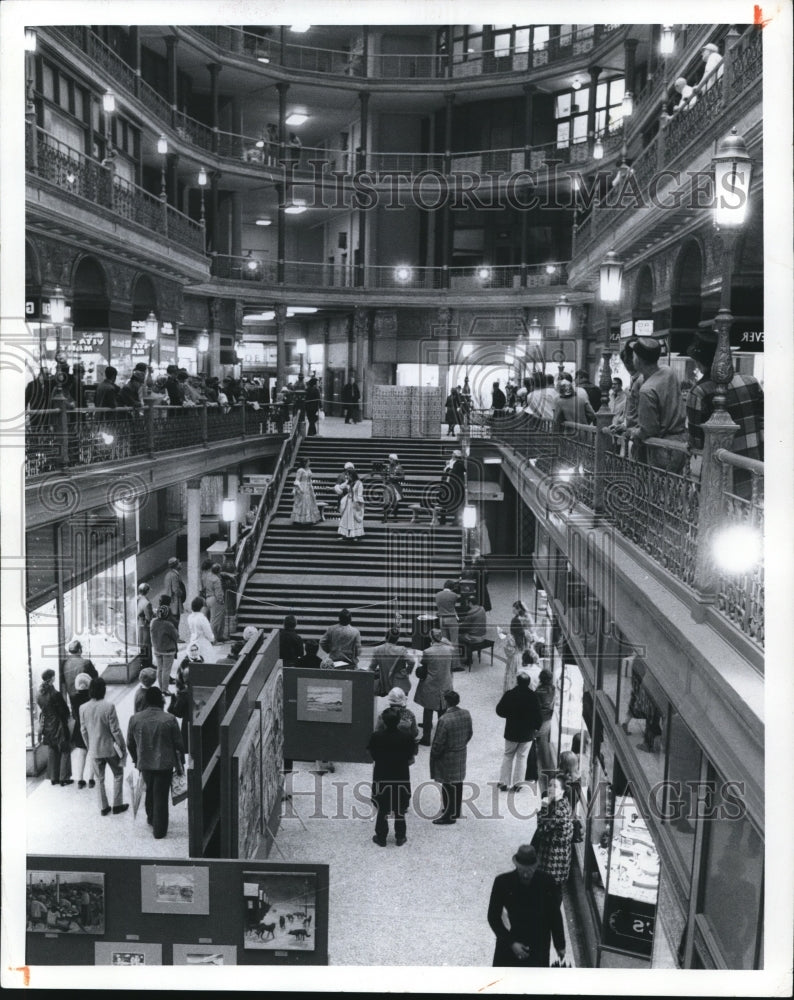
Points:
[(391, 574)]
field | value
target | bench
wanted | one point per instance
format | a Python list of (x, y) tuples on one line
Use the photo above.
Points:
[(478, 647)]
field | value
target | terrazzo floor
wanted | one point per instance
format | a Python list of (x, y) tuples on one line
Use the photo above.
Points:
[(421, 904)]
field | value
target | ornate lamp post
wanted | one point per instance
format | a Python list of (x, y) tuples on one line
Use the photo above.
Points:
[(732, 173), (150, 333), (57, 315), (162, 149), (535, 341), (202, 183), (300, 346), (666, 49), (203, 346), (611, 282), (562, 320)]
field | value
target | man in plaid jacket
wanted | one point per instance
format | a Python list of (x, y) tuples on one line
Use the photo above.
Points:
[(448, 756)]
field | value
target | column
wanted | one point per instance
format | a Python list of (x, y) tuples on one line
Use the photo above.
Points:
[(529, 109), (193, 538), (349, 367), (170, 46), (361, 163), (630, 50), (443, 318), (360, 324), (214, 70), (233, 492), (281, 346), (212, 216), (446, 218), (365, 52), (237, 224), (450, 50), (594, 72), (284, 189), (282, 89), (135, 57), (171, 184)]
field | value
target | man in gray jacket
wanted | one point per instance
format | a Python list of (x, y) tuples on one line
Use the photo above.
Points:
[(104, 740)]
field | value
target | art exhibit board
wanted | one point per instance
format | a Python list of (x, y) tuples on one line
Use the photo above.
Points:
[(209, 912), (328, 714)]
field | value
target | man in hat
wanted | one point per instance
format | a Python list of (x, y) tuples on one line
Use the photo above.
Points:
[(660, 411), (107, 392), (174, 587), (130, 394), (712, 68), (532, 901), (744, 403), (351, 394), (593, 392), (343, 640), (174, 388), (448, 756), (393, 752)]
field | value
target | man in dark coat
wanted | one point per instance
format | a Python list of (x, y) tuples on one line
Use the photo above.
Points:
[(155, 745), (520, 709), (74, 664), (107, 392), (473, 629), (174, 388), (593, 391), (435, 677), (532, 901), (448, 756), (393, 752), (351, 394), (312, 405)]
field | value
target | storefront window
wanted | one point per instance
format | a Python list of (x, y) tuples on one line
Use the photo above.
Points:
[(98, 612), (732, 878), (43, 655), (643, 713), (599, 800), (683, 765)]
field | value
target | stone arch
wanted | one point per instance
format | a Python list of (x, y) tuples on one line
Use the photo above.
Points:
[(144, 296), (686, 290), (32, 267), (90, 296)]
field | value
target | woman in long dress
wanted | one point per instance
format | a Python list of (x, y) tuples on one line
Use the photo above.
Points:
[(304, 502), (351, 524)]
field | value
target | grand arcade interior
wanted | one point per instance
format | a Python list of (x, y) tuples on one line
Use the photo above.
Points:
[(415, 207)]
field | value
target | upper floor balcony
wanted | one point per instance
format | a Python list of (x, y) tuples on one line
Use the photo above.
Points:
[(663, 181), (700, 526)]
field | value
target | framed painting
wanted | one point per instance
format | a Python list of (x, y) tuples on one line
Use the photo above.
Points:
[(175, 889), (127, 953), (65, 902), (280, 910), (204, 954), (325, 700)]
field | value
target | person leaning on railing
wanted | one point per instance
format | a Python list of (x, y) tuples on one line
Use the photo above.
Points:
[(660, 411)]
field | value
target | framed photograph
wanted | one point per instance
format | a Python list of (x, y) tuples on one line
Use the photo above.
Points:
[(131, 953), (65, 902), (247, 787), (205, 954), (280, 910), (325, 701), (175, 889)]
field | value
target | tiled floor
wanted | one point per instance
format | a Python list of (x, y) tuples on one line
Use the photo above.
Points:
[(420, 904)]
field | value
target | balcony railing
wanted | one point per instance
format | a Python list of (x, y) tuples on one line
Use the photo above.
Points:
[(84, 177), (402, 66), (318, 275), (663, 511), (693, 126), (61, 438)]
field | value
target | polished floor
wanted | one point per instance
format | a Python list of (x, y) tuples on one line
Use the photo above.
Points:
[(420, 904)]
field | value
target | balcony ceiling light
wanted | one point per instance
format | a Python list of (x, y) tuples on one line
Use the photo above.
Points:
[(162, 145), (402, 273), (303, 310), (299, 29), (483, 273), (598, 150), (296, 118), (109, 102), (262, 59), (264, 222), (296, 208)]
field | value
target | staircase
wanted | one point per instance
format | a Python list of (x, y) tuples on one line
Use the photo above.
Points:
[(395, 569)]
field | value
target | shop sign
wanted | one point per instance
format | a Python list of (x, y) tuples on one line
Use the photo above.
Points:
[(747, 340), (643, 328), (167, 329), (629, 925)]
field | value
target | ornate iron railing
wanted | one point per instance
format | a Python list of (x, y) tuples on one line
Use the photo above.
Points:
[(740, 594), (80, 175), (659, 509), (303, 273), (61, 438)]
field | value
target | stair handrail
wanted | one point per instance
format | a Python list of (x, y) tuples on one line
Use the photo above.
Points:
[(249, 548)]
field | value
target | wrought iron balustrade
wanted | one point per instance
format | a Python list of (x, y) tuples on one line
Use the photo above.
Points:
[(59, 438)]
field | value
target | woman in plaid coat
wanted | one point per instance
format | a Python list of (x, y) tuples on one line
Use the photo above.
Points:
[(554, 834)]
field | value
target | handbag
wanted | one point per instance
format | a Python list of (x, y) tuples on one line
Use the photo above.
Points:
[(421, 671), (178, 787)]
